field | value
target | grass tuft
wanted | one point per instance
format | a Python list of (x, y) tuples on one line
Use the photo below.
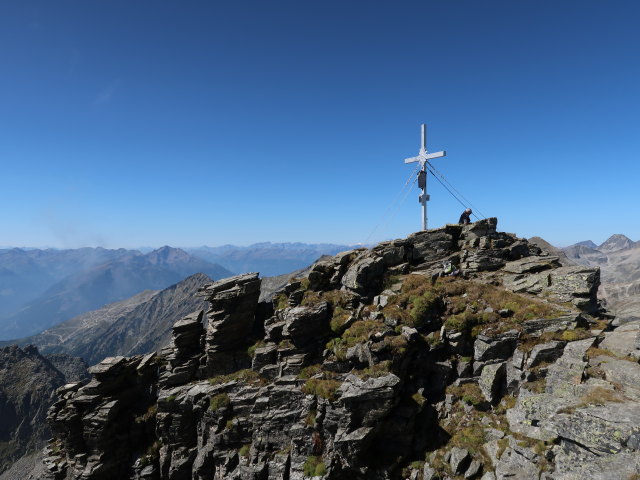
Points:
[(314, 467), (219, 401), (248, 376)]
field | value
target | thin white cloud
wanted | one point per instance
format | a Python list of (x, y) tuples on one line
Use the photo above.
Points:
[(107, 93)]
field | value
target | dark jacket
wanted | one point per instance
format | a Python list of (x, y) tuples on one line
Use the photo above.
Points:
[(465, 218)]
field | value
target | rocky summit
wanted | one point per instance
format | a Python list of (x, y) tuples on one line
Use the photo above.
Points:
[(381, 363)]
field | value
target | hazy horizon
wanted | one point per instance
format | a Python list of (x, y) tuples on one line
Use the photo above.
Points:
[(600, 241)]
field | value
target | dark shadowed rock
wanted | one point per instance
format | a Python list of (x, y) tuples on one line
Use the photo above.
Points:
[(233, 303), (28, 382)]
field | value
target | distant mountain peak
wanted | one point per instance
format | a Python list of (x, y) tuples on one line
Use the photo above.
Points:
[(168, 254), (616, 242), (586, 243)]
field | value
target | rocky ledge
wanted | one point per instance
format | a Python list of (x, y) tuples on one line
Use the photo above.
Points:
[(374, 366)]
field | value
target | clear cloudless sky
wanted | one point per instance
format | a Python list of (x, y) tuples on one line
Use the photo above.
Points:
[(131, 123)]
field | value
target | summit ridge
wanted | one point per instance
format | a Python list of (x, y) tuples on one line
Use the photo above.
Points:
[(456, 352)]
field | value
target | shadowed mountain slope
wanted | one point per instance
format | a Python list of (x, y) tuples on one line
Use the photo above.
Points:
[(104, 284), (140, 324), (28, 381), (26, 274)]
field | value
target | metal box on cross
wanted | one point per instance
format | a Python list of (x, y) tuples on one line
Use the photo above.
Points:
[(423, 157)]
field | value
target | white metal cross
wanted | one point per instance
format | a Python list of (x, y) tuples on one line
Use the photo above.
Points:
[(424, 157)]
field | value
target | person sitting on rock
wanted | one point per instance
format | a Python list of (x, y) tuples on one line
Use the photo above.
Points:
[(465, 218)]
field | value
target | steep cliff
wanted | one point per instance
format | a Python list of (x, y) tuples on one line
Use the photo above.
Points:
[(379, 363), (28, 382)]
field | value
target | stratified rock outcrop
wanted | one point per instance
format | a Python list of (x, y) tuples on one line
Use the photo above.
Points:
[(373, 366)]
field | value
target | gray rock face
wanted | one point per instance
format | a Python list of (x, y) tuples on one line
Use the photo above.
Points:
[(513, 465), (365, 274), (303, 324), (184, 353), (459, 460), (93, 422), (495, 347), (340, 377), (578, 285), (532, 264), (492, 381), (434, 244), (623, 341), (575, 284), (233, 302), (481, 228)]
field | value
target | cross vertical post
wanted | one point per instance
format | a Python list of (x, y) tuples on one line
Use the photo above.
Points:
[(424, 157)]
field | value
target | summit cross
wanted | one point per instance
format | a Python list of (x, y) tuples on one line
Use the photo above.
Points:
[(424, 157)]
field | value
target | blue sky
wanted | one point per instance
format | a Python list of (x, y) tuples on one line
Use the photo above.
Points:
[(128, 123)]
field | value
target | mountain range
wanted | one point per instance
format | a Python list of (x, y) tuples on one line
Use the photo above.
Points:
[(374, 366), (136, 325), (270, 259), (619, 260), (42, 288), (25, 274), (91, 284), (142, 323), (139, 324)]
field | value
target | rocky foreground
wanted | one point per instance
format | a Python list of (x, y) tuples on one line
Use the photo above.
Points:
[(374, 366)]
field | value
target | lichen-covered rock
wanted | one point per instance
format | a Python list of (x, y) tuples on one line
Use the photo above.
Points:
[(305, 323), (459, 460), (364, 274), (623, 341), (481, 228), (495, 347), (545, 352), (532, 264), (492, 380), (578, 285)]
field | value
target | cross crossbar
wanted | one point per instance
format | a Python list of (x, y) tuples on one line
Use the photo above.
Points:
[(428, 156), (423, 157)]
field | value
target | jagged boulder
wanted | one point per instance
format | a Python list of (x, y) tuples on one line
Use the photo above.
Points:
[(492, 381), (434, 245), (482, 228), (578, 285), (185, 352), (92, 423), (233, 303), (532, 264), (495, 347), (327, 273), (364, 275), (305, 323)]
